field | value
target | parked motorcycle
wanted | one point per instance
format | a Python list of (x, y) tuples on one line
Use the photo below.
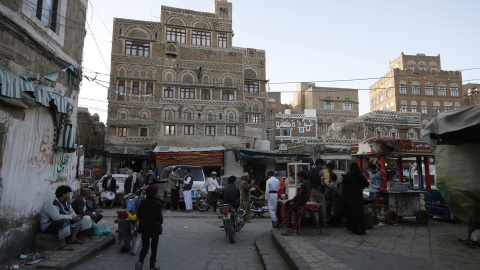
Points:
[(203, 200), (257, 205), (127, 228), (233, 220)]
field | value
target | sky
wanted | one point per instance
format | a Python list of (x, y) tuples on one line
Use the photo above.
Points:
[(309, 40)]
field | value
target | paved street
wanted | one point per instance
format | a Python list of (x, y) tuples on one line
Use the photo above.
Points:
[(407, 245), (190, 241)]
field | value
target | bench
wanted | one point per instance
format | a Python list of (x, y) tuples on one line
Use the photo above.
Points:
[(310, 206)]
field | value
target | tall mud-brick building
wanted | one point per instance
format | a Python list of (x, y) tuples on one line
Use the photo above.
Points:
[(417, 83), (180, 82)]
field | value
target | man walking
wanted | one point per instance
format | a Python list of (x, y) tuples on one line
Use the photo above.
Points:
[(271, 196), (211, 184), (245, 185), (149, 226), (175, 181), (317, 179)]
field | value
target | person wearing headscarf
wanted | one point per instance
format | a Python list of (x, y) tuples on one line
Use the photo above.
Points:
[(149, 226), (354, 183)]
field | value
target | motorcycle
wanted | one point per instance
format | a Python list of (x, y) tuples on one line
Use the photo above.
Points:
[(257, 205), (203, 200), (127, 228), (233, 220)]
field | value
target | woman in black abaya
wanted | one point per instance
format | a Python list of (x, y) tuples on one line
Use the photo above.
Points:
[(354, 183)]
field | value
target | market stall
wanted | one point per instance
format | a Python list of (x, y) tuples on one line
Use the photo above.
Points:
[(455, 136), (399, 199)]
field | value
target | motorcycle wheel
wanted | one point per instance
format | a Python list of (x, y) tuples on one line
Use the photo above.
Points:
[(240, 223), (229, 230), (202, 205)]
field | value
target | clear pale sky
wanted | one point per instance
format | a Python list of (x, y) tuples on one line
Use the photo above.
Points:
[(311, 40)]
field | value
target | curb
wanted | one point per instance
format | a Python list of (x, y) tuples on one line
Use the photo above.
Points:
[(289, 254), (269, 255), (86, 254)]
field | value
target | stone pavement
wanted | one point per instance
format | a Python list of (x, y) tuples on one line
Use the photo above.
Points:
[(67, 259), (406, 245)]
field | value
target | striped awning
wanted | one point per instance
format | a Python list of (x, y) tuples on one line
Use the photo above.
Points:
[(67, 137), (13, 86)]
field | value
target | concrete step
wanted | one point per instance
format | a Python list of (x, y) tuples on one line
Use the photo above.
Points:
[(271, 258)]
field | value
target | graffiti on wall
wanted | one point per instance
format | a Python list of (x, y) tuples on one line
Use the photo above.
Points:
[(46, 154)]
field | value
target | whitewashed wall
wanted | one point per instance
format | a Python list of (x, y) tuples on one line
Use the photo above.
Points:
[(31, 169)]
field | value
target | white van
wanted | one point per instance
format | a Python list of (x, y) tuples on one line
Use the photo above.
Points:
[(164, 184)]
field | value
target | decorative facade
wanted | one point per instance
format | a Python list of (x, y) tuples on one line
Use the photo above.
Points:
[(417, 83), (332, 105), (181, 82), (471, 94)]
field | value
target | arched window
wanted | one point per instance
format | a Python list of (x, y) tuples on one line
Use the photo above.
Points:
[(249, 73), (187, 78), (354, 137), (411, 64), (422, 65), (433, 66), (144, 115), (188, 115), (393, 133), (136, 72), (169, 115), (210, 116), (150, 74), (122, 72), (415, 88), (255, 108), (282, 147), (378, 133), (403, 106), (412, 135), (231, 116), (123, 114), (402, 87), (228, 82)]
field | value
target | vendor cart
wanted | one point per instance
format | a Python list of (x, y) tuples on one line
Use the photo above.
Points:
[(400, 199), (293, 183)]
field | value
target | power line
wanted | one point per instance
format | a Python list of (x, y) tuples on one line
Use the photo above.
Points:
[(98, 47), (93, 8)]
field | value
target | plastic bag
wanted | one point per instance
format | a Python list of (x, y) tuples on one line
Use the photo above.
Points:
[(130, 204), (100, 230)]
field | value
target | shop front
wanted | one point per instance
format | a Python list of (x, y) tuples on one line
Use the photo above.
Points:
[(210, 158), (122, 157)]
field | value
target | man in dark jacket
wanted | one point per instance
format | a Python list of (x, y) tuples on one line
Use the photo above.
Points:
[(231, 193), (302, 197), (109, 184), (150, 226), (132, 184)]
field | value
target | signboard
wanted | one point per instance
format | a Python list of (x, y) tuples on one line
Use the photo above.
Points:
[(391, 147), (127, 150), (207, 158)]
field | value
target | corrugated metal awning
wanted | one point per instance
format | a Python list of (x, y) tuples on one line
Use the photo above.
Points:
[(13, 86)]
